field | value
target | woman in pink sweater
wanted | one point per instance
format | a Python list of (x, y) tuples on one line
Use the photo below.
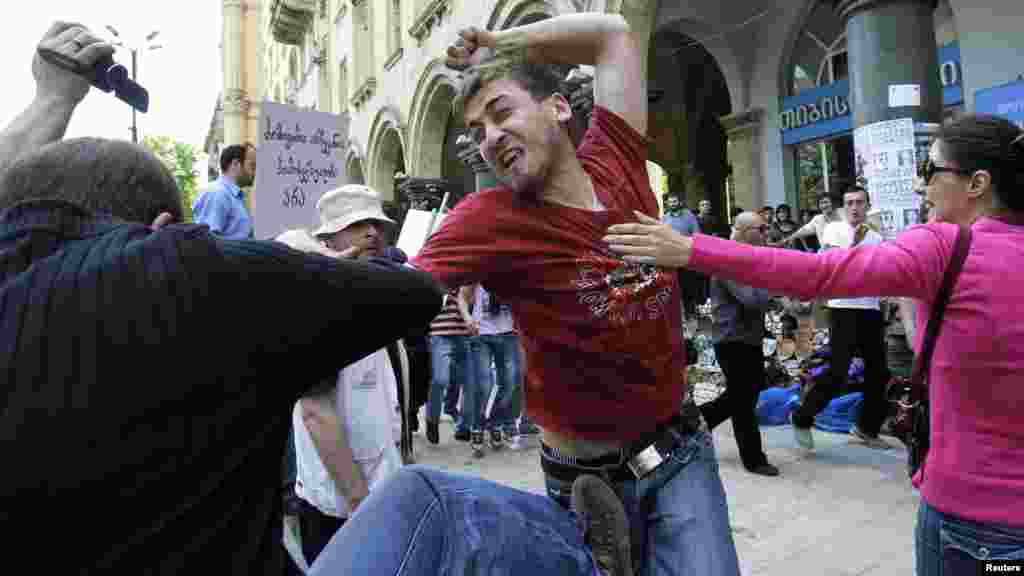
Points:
[(972, 483)]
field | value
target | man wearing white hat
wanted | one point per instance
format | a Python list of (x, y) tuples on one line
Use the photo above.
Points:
[(352, 221), (348, 426)]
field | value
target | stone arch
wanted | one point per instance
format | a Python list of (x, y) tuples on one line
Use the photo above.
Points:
[(817, 14), (722, 52), (386, 152), (429, 114), (508, 13), (687, 94)]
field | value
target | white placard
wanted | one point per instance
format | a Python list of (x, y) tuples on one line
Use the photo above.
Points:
[(901, 95), (298, 159), (417, 226), (886, 157)]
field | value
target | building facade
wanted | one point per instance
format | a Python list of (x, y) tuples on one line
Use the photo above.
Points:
[(752, 103)]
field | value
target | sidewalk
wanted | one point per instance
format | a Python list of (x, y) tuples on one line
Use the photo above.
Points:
[(844, 510)]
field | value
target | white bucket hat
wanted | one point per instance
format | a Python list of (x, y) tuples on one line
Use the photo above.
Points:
[(343, 207), (303, 241)]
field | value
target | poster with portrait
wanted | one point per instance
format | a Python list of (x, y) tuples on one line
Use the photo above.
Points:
[(886, 159), (297, 160)]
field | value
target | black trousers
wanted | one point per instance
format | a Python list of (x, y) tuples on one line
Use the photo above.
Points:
[(743, 366), (852, 330)]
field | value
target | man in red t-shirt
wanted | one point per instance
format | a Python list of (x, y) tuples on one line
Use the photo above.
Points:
[(602, 337)]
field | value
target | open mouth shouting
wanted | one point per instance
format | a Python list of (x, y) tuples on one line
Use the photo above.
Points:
[(508, 158)]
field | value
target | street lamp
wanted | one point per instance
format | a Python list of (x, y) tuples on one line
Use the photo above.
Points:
[(134, 51)]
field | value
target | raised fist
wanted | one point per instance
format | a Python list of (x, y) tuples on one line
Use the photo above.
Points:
[(77, 44), (472, 47)]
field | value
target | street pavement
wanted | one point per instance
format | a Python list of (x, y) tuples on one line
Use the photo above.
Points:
[(843, 510)]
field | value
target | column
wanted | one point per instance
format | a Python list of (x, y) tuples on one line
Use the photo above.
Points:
[(469, 153), (891, 42), (744, 151), (233, 98)]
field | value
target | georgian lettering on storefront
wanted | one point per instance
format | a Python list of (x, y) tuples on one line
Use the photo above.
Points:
[(826, 108), (831, 102)]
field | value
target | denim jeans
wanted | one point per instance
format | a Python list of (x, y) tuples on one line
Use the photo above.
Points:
[(424, 521), (449, 361), (685, 528), (949, 546), (503, 349)]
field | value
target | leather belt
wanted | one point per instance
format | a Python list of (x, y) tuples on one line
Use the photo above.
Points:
[(637, 460)]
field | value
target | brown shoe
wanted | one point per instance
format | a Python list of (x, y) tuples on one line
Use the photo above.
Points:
[(605, 525)]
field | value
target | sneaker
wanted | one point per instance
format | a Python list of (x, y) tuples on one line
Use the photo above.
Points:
[(462, 434), (476, 441), (764, 469), (803, 436), (497, 442), (869, 441), (513, 441), (605, 526)]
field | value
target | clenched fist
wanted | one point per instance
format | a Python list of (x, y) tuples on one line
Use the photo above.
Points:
[(472, 47), (76, 44)]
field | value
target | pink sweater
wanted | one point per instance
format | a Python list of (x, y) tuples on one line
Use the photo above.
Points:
[(975, 469)]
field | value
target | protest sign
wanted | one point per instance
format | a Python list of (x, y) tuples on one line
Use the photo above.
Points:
[(886, 158), (298, 159)]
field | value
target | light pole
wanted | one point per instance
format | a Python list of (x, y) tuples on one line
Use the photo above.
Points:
[(134, 51)]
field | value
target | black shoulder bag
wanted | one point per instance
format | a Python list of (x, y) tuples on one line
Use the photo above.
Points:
[(912, 418)]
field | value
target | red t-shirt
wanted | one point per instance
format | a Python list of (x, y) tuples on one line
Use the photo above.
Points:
[(603, 338)]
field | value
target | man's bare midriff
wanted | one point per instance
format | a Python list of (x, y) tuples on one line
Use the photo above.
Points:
[(578, 447)]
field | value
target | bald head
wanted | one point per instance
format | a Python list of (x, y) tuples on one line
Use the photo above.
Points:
[(750, 228)]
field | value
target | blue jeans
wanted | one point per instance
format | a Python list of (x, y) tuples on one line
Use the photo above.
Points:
[(424, 521), (449, 361), (503, 349), (949, 546), (685, 528)]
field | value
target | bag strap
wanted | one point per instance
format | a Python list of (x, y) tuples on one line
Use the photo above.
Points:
[(918, 380)]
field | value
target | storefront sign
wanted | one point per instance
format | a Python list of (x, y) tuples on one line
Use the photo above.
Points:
[(1006, 101), (825, 111), (298, 159)]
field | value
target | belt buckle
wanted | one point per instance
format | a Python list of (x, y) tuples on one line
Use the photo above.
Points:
[(645, 461)]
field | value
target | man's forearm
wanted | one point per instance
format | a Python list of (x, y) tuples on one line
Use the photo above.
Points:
[(44, 121), (567, 39)]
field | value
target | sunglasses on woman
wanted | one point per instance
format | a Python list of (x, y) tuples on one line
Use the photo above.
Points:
[(929, 170)]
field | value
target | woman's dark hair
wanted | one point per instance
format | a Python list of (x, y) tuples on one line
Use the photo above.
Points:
[(784, 207), (111, 176), (982, 142)]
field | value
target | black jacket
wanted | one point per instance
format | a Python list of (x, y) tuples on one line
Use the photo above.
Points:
[(148, 380)]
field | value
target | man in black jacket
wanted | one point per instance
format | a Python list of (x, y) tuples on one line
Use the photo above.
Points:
[(149, 370)]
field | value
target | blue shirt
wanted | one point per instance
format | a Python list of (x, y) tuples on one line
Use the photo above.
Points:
[(222, 208), (685, 223)]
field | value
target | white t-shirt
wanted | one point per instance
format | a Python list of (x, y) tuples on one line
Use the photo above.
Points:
[(840, 235), (819, 223), (365, 408)]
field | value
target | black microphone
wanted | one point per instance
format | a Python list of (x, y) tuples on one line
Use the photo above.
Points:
[(107, 75)]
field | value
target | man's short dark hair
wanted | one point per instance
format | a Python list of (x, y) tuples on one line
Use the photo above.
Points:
[(110, 176), (539, 80), (856, 188), (232, 153)]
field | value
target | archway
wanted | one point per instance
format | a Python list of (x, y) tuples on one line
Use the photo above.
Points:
[(687, 94), (354, 169), (390, 159)]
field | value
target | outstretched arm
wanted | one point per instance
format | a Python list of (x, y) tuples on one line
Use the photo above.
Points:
[(601, 40), (58, 91)]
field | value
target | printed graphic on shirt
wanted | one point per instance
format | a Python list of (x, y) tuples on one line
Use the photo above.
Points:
[(622, 292)]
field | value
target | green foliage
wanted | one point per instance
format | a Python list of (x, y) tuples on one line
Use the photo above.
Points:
[(180, 159)]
